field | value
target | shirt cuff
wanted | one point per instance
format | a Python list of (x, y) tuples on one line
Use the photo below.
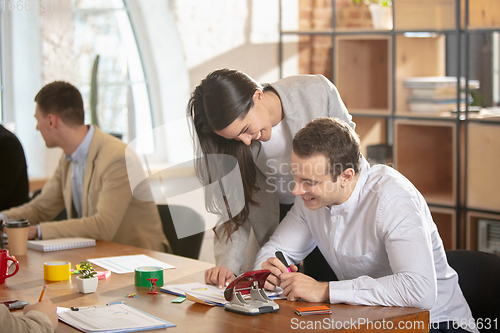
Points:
[(39, 231), (4, 217), (341, 292)]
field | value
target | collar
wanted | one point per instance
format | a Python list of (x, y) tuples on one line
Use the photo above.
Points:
[(80, 154)]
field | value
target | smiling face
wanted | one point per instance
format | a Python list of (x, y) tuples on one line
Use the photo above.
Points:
[(256, 125), (314, 182)]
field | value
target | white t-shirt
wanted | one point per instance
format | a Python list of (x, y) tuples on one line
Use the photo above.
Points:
[(278, 151)]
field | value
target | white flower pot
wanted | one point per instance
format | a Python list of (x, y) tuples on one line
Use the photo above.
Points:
[(381, 16), (86, 286)]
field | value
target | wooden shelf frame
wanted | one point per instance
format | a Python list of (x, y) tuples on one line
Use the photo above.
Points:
[(363, 72), (425, 153), (483, 164), (445, 219), (471, 226), (441, 18)]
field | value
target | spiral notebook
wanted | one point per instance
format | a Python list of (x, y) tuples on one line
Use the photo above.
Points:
[(60, 244)]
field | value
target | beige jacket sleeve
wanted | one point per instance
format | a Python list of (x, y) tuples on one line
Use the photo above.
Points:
[(105, 209), (32, 322)]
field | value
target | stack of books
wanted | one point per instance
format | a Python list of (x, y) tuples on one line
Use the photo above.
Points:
[(436, 93)]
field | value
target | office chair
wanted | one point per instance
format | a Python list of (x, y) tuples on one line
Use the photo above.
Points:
[(188, 246), (478, 276)]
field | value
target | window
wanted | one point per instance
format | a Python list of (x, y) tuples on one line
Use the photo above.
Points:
[(103, 27)]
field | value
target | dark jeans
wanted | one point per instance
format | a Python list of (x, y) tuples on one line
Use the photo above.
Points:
[(315, 264), (446, 327)]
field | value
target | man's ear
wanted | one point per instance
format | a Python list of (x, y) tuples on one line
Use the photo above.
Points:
[(53, 120), (346, 176)]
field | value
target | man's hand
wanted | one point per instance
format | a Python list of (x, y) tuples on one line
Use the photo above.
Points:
[(46, 307), (220, 276), (298, 285), (32, 232), (277, 268)]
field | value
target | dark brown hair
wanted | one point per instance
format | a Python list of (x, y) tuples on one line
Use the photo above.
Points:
[(332, 138), (64, 100), (222, 97)]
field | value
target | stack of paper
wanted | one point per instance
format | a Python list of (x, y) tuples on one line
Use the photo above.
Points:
[(436, 93), (206, 293), (127, 264)]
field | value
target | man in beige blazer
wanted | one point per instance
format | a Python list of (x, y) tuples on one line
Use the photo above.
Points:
[(91, 181)]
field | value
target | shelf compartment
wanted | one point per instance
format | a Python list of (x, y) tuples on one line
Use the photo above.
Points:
[(483, 14), (362, 72), (371, 131), (425, 153), (472, 224), (352, 16), (483, 161), (417, 57), (418, 15), (446, 223)]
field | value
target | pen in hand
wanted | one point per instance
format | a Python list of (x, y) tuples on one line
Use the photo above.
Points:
[(41, 294), (281, 257)]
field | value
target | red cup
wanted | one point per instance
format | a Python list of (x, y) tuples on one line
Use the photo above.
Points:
[(4, 267)]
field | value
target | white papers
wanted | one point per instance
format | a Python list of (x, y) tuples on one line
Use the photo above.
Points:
[(207, 293), (127, 264), (111, 318)]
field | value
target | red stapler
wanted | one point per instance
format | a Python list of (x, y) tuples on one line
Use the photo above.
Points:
[(249, 283)]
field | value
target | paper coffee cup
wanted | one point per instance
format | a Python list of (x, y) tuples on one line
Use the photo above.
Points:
[(17, 234)]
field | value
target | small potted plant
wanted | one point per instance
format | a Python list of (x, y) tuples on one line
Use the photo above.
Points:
[(381, 11), (87, 282)]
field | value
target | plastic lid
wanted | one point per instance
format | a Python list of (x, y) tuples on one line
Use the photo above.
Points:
[(22, 223)]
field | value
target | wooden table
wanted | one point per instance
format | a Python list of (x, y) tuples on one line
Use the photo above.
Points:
[(27, 284)]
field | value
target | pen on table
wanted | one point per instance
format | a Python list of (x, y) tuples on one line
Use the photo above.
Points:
[(41, 294), (96, 306), (281, 257)]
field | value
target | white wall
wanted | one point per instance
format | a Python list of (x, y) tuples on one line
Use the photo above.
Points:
[(239, 34), (22, 80)]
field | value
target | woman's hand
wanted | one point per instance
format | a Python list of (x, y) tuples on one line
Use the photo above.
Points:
[(220, 276)]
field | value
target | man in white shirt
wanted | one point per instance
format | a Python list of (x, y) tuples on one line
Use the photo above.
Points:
[(371, 224)]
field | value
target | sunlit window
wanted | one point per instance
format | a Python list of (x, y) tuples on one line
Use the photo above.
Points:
[(103, 27)]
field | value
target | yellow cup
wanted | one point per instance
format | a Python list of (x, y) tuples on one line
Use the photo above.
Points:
[(57, 270)]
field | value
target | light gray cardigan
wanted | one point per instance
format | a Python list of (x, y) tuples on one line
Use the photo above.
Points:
[(303, 98)]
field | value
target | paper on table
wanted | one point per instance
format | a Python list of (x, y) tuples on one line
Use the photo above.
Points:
[(111, 318), (207, 293), (127, 264)]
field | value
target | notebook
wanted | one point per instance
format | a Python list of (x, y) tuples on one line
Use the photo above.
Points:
[(60, 244), (115, 317)]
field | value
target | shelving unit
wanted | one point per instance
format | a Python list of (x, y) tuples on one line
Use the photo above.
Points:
[(453, 159), (425, 153)]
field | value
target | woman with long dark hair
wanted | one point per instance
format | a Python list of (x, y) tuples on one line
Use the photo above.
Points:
[(234, 115)]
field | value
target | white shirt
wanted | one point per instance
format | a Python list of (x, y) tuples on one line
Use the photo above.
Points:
[(278, 151), (78, 161), (381, 243)]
